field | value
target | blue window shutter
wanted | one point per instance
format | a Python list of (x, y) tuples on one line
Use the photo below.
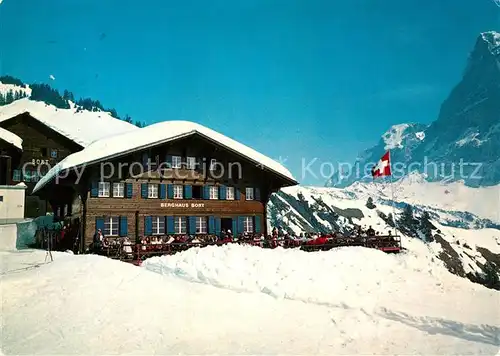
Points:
[(240, 224), (222, 192), (217, 226), (188, 192), (99, 224), (237, 194), (123, 226), (129, 190), (168, 161), (256, 224), (163, 193), (148, 225), (257, 193), (206, 192), (94, 191), (192, 224), (144, 190), (170, 191), (170, 225), (211, 224), (235, 226)]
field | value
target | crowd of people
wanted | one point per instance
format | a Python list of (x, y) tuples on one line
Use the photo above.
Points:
[(164, 244), (62, 236)]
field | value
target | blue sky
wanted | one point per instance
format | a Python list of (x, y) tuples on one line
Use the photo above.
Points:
[(293, 79)]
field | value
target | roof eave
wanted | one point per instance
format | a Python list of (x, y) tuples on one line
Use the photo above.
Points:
[(288, 180)]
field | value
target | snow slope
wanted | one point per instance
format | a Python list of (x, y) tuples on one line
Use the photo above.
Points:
[(161, 132), (83, 127), (333, 304), (453, 196), (11, 138)]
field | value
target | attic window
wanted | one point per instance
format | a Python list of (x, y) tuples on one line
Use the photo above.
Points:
[(53, 153)]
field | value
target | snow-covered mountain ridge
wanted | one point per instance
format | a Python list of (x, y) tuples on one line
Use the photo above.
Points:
[(454, 220), (13, 89), (463, 143)]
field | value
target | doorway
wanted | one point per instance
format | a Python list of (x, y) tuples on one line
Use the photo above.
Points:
[(226, 224), (5, 173)]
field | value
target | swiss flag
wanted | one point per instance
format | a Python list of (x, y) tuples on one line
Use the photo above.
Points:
[(383, 167)]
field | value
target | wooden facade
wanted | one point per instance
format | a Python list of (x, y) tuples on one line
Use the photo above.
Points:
[(199, 190), (43, 147)]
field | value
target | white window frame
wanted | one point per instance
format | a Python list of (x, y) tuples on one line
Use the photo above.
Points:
[(190, 162), (103, 189), (213, 163), (180, 225), (119, 190), (229, 193), (178, 191), (158, 225), (214, 192), (248, 224), (249, 193), (201, 225), (152, 191), (176, 162), (111, 226)]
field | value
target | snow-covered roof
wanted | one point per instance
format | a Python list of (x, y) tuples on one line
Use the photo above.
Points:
[(82, 127), (152, 135), (11, 138)]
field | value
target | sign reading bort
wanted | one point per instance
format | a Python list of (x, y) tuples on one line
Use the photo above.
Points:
[(182, 205)]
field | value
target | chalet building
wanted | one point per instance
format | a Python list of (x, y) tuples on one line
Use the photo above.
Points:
[(174, 177), (47, 135)]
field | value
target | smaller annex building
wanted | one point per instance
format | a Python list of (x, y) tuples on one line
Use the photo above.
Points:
[(173, 177), (35, 136)]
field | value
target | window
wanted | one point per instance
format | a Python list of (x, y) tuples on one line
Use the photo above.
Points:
[(178, 191), (111, 226), (213, 164), (214, 192), (103, 189), (16, 175), (118, 190), (65, 210), (190, 162), (180, 225), (249, 193), (33, 176), (27, 176), (158, 225), (1, 198), (176, 161), (248, 224), (152, 191), (230, 193), (53, 153), (201, 225)]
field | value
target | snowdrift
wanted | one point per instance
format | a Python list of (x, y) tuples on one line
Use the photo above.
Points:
[(92, 305), (351, 277)]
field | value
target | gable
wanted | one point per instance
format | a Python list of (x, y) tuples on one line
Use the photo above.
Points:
[(158, 134)]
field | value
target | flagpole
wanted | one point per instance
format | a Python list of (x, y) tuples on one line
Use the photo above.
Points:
[(393, 200)]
